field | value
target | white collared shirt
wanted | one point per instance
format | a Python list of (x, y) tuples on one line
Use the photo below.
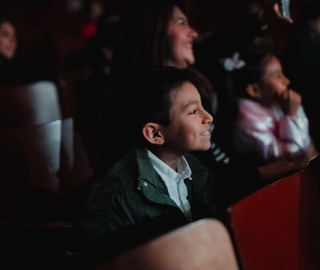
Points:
[(175, 181)]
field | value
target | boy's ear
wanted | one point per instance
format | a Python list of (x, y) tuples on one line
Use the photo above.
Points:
[(152, 133), (253, 90)]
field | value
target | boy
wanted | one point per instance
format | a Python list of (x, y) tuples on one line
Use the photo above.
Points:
[(158, 186)]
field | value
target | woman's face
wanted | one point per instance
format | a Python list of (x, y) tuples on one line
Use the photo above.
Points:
[(8, 40), (180, 37)]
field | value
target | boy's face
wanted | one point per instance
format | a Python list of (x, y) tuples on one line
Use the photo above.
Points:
[(190, 123)]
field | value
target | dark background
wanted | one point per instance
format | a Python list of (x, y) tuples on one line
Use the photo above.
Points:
[(48, 30)]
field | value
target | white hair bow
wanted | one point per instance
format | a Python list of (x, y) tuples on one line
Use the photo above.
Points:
[(233, 63)]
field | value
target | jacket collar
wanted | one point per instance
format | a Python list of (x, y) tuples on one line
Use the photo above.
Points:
[(150, 183)]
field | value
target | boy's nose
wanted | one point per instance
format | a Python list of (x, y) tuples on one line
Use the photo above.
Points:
[(208, 118)]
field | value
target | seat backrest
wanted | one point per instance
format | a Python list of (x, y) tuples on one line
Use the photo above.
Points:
[(202, 245), (29, 104), (30, 161), (32, 154), (38, 163), (34, 245), (277, 227)]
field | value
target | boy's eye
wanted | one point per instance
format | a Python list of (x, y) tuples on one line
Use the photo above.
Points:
[(194, 111)]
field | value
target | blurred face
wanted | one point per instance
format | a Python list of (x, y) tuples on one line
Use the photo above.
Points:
[(97, 9), (273, 83), (8, 40), (180, 37), (315, 25), (190, 123)]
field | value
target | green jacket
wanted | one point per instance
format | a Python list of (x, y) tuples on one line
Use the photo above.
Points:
[(132, 205)]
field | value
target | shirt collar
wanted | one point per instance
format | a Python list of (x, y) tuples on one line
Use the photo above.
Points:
[(183, 168)]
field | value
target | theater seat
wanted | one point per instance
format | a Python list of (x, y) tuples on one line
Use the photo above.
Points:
[(39, 164), (277, 227), (201, 245), (34, 245), (29, 104)]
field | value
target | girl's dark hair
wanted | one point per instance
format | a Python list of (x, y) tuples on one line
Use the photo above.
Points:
[(141, 41), (252, 72)]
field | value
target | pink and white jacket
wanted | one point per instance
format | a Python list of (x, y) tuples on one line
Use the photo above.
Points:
[(265, 134)]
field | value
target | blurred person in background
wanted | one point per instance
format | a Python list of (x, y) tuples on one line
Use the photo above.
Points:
[(8, 46), (94, 11), (302, 64)]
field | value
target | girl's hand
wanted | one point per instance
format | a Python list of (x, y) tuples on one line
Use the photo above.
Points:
[(289, 102)]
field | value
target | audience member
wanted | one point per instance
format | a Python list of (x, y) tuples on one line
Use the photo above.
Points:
[(93, 12), (254, 28), (8, 45), (302, 64), (159, 186), (271, 123), (96, 61), (15, 69)]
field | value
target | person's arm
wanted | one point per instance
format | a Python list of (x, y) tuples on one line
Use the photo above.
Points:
[(279, 169), (265, 138), (294, 126), (234, 181)]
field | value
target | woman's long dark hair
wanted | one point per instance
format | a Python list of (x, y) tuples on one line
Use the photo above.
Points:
[(141, 40)]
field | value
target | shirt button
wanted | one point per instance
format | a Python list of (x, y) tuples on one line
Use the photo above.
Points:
[(145, 183)]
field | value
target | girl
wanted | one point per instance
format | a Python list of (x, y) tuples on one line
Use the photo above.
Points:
[(271, 123)]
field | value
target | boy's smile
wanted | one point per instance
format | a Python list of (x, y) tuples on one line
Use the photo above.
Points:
[(190, 122)]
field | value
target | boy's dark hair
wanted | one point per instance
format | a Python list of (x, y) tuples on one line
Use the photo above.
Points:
[(151, 91), (131, 104)]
